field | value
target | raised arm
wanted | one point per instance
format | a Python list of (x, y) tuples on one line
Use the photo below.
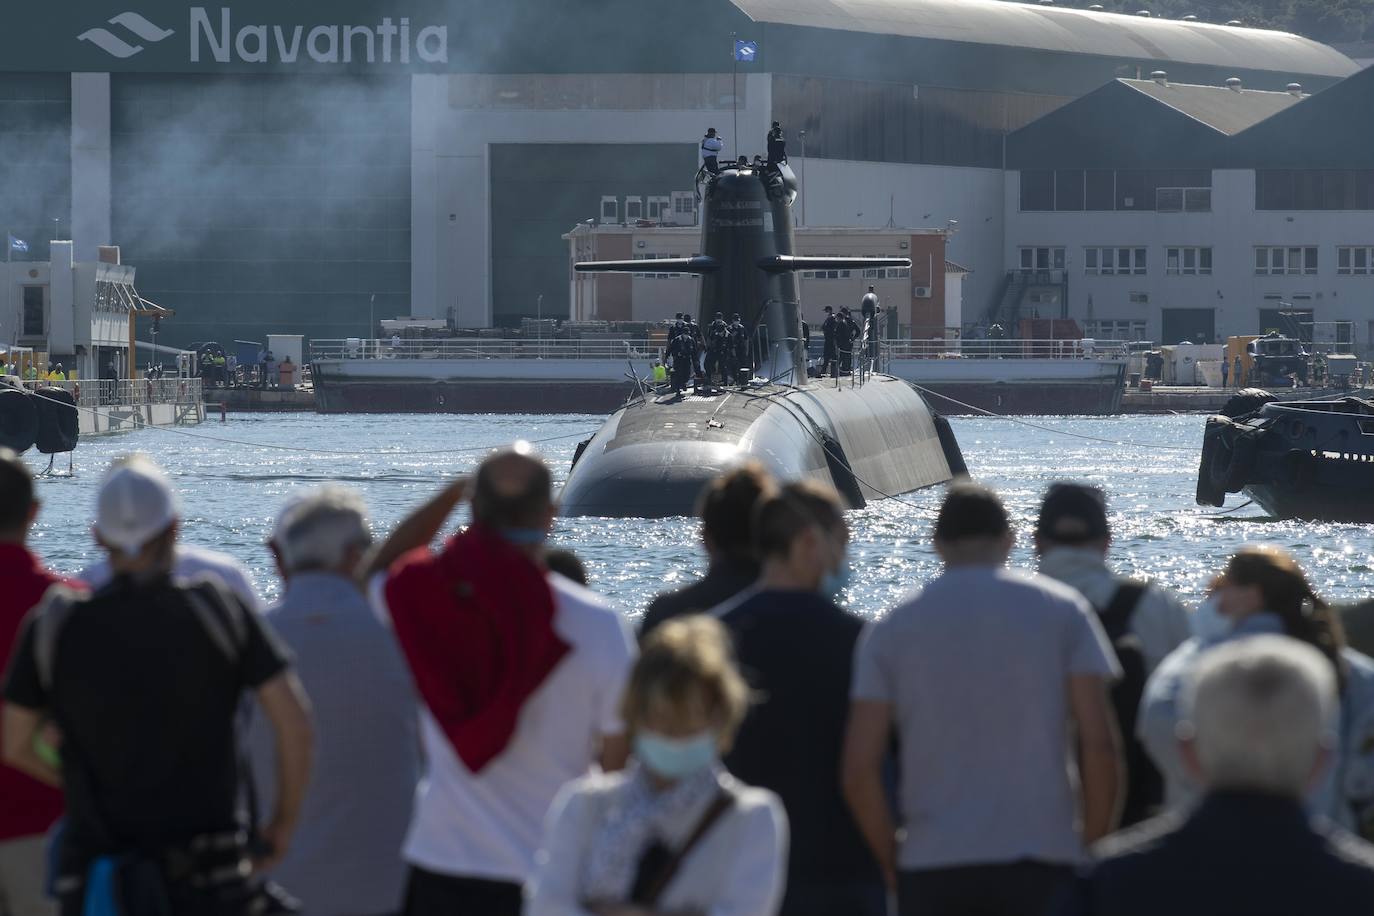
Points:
[(417, 529)]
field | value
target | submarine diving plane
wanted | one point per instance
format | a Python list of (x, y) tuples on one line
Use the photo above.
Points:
[(870, 436)]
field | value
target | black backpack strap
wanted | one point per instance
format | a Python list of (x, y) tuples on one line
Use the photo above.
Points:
[(220, 615), (51, 616), (1116, 616)]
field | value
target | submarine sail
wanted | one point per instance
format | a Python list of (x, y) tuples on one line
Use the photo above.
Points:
[(869, 440)]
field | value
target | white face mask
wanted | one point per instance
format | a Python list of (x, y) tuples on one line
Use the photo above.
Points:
[(1208, 623)]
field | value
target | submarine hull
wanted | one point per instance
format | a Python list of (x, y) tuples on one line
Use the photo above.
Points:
[(651, 460)]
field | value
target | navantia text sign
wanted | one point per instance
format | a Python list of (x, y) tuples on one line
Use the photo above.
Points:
[(386, 42), (255, 36), (372, 36)]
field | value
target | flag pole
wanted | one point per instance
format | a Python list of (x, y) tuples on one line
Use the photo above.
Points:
[(734, 89)]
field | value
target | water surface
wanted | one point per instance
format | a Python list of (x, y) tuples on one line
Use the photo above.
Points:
[(233, 477)]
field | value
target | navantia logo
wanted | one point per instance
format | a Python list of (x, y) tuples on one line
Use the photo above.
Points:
[(115, 46)]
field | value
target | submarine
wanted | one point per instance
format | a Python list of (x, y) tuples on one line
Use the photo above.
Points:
[(870, 435)]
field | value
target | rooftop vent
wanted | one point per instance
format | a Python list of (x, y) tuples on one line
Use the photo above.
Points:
[(1233, 83), (1159, 76), (1190, 18), (1235, 22), (1143, 13), (1294, 89)]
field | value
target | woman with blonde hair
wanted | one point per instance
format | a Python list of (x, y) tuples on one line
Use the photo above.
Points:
[(674, 834), (1263, 590)]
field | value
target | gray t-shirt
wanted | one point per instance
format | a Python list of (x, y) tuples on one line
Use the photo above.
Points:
[(976, 668)]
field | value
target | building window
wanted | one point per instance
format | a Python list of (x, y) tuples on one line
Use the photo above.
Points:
[(1114, 329), (1106, 262), (33, 312), (1187, 262), (1356, 261), (1275, 261), (1068, 190), (1183, 200), (1037, 190), (1314, 189), (1100, 188), (654, 276), (1042, 259)]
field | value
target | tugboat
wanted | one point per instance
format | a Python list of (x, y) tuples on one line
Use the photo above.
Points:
[(1310, 459)]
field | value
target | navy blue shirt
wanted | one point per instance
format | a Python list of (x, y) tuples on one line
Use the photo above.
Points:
[(796, 649)]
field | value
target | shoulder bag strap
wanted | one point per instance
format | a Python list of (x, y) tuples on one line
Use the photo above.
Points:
[(722, 803)]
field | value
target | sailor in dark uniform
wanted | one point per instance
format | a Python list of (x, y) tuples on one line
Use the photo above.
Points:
[(717, 343), (741, 368), (870, 308), (682, 351), (831, 353), (777, 145), (845, 332)]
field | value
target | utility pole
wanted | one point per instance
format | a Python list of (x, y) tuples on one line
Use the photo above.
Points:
[(801, 135)]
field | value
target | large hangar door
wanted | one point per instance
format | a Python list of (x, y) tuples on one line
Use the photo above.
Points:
[(1197, 326), (539, 191)]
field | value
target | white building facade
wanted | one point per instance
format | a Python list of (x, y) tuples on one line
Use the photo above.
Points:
[(1172, 245)]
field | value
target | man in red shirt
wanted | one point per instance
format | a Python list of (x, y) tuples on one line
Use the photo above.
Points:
[(27, 807)]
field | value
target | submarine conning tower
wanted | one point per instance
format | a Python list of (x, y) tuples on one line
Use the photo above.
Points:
[(746, 228)]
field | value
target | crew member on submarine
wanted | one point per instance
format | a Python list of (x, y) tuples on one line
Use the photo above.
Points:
[(711, 146)]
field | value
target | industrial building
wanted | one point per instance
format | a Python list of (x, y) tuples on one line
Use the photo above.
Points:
[(1157, 210), (311, 167)]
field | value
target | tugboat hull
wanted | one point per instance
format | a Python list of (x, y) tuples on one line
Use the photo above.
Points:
[(1310, 460)]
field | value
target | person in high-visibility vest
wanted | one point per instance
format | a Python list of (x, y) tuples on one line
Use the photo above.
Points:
[(660, 373)]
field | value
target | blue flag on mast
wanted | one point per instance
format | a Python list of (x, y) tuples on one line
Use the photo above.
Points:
[(18, 245), (746, 51)]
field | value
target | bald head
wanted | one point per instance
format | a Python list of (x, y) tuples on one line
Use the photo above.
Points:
[(513, 490)]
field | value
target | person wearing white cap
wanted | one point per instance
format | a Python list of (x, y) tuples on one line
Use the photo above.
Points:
[(143, 679), (188, 561)]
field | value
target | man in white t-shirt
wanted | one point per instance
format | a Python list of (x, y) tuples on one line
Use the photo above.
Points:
[(519, 674)]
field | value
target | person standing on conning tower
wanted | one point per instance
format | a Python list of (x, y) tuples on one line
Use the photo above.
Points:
[(711, 146), (777, 145)]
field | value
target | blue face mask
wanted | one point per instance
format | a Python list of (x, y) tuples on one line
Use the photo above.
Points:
[(837, 580), (675, 758), (525, 537), (1208, 623)]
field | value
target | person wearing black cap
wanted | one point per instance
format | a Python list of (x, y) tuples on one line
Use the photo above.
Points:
[(994, 682), (777, 145), (1144, 622), (846, 331), (1072, 538), (831, 353)]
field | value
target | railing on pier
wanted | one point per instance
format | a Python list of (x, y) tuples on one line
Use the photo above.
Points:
[(1004, 349), (486, 348), (128, 392)]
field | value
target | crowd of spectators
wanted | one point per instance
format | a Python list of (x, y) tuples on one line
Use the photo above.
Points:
[(455, 726)]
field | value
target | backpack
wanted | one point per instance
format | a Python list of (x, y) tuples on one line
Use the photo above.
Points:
[(1144, 784)]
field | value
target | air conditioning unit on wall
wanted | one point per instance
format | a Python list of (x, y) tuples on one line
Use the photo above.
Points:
[(921, 292)]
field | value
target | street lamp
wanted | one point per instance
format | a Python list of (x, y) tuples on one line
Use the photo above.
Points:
[(801, 136)]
